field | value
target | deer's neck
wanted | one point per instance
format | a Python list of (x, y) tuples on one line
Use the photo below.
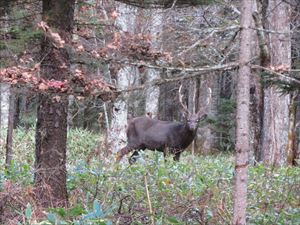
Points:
[(187, 132)]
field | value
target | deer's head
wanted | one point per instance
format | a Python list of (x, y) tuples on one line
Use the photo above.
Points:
[(192, 120)]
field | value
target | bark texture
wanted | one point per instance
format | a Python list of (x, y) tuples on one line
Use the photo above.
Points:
[(10, 128), (152, 93), (276, 105), (291, 151), (256, 97), (206, 134), (5, 93), (242, 131), (51, 129), (117, 133)]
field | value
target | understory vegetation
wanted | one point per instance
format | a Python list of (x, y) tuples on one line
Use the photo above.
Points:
[(196, 190)]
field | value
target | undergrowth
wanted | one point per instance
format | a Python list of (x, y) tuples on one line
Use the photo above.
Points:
[(196, 190)]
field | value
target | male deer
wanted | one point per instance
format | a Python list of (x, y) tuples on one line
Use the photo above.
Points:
[(153, 134)]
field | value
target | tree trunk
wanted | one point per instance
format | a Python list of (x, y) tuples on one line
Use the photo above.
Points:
[(276, 105), (193, 90), (256, 102), (152, 93), (297, 147), (206, 137), (117, 133), (291, 145), (17, 111), (10, 128), (4, 87), (168, 101), (242, 131), (5, 93), (51, 128)]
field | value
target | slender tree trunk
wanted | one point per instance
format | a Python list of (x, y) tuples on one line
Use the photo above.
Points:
[(206, 135), (296, 65), (5, 93), (276, 105), (4, 87), (51, 128), (70, 122), (256, 102), (297, 147), (168, 96), (18, 108), (10, 128), (117, 133), (291, 145), (192, 104), (152, 93), (242, 131)]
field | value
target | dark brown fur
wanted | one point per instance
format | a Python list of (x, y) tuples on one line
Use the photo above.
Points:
[(153, 134)]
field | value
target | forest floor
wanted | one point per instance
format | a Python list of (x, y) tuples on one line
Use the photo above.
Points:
[(196, 190)]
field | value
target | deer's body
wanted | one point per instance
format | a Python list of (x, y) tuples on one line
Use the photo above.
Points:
[(157, 134), (165, 136), (146, 133)]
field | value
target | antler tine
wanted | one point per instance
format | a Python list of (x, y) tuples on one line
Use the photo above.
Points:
[(180, 100)]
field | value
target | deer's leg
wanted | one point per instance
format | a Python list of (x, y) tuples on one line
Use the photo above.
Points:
[(133, 157), (166, 152), (177, 154)]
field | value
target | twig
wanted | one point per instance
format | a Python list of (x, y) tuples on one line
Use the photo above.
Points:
[(149, 201)]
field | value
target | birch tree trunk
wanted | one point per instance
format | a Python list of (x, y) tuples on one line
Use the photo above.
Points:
[(242, 130), (117, 133), (5, 93), (10, 128), (4, 87), (276, 105), (152, 93)]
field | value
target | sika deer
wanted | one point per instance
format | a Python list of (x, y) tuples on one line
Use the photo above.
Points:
[(153, 134)]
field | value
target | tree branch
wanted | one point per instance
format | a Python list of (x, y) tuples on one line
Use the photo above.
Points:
[(227, 66), (280, 75)]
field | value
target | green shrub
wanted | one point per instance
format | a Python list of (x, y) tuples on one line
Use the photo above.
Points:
[(196, 190)]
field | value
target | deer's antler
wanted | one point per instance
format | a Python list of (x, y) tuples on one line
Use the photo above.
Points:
[(180, 101)]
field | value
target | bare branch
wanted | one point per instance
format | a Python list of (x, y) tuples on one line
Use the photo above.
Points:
[(227, 66), (280, 75)]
